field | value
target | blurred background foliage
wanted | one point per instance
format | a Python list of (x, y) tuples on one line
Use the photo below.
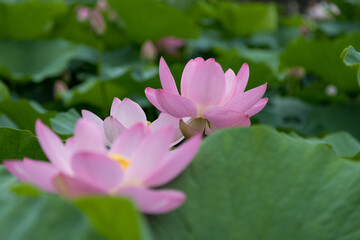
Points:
[(52, 65), (51, 62)]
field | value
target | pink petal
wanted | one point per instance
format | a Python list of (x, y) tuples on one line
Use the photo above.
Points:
[(207, 86), (230, 90), (115, 106), (244, 101), (88, 137), (128, 113), (150, 94), (112, 128), (175, 105), (98, 121), (164, 120), (91, 116), (69, 144), (149, 153), (187, 75), (53, 147), (154, 201), (127, 143), (242, 78), (166, 78), (71, 187), (257, 107), (175, 163), (222, 117), (38, 173), (96, 169)]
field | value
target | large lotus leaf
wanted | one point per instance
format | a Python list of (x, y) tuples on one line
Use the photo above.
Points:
[(349, 9), (37, 60), (17, 144), (257, 183), (94, 92), (342, 143), (321, 57), (64, 122), (294, 114), (334, 28), (245, 19), (44, 217), (351, 58), (28, 19), (115, 218), (24, 113), (150, 19)]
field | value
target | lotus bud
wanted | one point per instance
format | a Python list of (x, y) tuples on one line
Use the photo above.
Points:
[(148, 51)]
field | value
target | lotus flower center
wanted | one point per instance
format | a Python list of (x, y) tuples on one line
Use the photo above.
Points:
[(124, 163), (148, 123)]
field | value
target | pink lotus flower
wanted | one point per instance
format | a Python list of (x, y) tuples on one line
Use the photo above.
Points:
[(137, 160), (126, 113), (210, 99)]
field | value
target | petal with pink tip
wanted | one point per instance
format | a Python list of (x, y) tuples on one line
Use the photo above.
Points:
[(38, 173), (175, 105), (115, 106), (71, 187), (164, 120), (244, 101), (128, 113), (53, 147), (150, 152), (112, 128), (91, 116), (154, 201), (175, 163), (88, 137), (187, 75), (230, 80), (222, 117), (166, 78), (150, 94), (97, 169), (127, 143), (207, 86), (242, 78), (257, 107)]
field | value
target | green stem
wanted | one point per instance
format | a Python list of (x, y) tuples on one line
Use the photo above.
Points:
[(102, 82)]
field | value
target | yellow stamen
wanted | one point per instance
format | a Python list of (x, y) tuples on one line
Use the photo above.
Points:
[(120, 160), (148, 123)]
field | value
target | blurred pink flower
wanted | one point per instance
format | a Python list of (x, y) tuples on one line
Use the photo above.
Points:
[(210, 99), (124, 114), (97, 23), (170, 45), (322, 11), (83, 13), (148, 51), (138, 159), (102, 5)]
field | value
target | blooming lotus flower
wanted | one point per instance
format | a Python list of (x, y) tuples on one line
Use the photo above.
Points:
[(210, 99), (126, 113), (137, 160)]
